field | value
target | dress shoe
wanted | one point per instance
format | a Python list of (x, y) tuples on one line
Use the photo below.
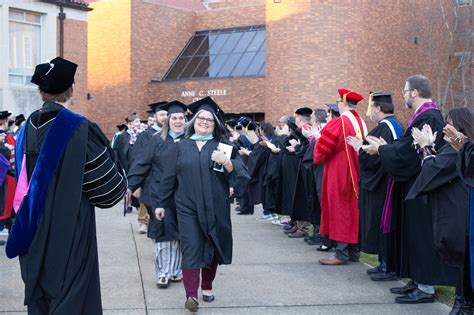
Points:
[(309, 237), (2, 242), (323, 248), (331, 262), (384, 276), (245, 213), (461, 306), (129, 210), (313, 241), (298, 234), (409, 287), (292, 230), (191, 304), (208, 298), (377, 269), (354, 258), (288, 227), (415, 297)]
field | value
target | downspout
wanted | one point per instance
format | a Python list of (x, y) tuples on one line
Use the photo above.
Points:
[(62, 17)]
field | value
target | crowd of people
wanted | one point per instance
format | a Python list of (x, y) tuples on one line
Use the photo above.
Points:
[(403, 193)]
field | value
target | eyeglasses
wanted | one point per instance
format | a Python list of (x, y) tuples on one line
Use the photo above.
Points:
[(404, 91), (203, 119)]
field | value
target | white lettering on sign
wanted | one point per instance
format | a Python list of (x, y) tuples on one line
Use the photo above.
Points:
[(204, 93), (188, 94)]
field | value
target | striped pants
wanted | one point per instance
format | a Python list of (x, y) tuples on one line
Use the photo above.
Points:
[(168, 259)]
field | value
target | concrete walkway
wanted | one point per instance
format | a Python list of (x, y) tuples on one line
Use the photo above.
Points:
[(270, 274)]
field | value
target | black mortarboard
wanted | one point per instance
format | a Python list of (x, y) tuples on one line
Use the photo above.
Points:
[(382, 97), (4, 114), (121, 127), (208, 104), (304, 111), (144, 121), (231, 122), (333, 107), (54, 77), (174, 107), (11, 123), (19, 119), (156, 107)]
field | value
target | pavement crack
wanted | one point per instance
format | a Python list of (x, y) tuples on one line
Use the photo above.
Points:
[(139, 268)]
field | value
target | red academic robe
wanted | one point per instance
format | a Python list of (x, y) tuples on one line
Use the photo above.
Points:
[(340, 188), (10, 184)]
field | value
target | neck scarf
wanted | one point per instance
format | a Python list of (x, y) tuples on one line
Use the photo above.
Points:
[(175, 135), (197, 137)]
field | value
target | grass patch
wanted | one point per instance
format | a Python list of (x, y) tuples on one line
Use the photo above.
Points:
[(443, 294)]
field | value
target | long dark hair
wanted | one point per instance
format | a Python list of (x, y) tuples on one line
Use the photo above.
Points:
[(463, 121), (220, 132)]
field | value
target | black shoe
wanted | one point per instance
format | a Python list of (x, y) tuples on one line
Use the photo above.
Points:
[(245, 213), (354, 259), (415, 297), (384, 276), (460, 306), (129, 210), (208, 298), (2, 242), (314, 242), (308, 238), (323, 248), (409, 287), (377, 269), (288, 227)]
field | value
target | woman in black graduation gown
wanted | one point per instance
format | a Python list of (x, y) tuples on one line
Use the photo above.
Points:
[(448, 195), (201, 194), (147, 172)]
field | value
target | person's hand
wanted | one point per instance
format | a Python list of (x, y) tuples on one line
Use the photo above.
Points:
[(275, 150), (355, 142), (244, 151), (374, 144), (159, 213), (455, 138), (294, 143), (137, 193), (129, 193), (231, 191), (424, 137), (290, 148), (219, 157)]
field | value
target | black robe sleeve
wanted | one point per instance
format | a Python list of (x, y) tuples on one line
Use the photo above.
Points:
[(400, 159), (435, 173), (465, 164), (104, 181), (141, 167)]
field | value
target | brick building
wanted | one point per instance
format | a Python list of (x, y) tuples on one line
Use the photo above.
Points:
[(143, 51), (31, 32)]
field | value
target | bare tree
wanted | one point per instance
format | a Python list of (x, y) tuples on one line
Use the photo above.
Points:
[(449, 43)]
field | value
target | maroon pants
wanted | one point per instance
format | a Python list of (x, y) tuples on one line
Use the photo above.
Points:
[(191, 279)]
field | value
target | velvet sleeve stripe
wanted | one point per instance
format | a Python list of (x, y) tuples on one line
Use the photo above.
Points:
[(98, 178), (97, 161)]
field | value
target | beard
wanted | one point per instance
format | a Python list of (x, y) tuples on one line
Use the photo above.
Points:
[(409, 103)]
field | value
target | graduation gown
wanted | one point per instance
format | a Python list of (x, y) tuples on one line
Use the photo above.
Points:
[(147, 172), (339, 204), (272, 176), (449, 198), (412, 253), (202, 201), (60, 269), (3, 187), (312, 176), (140, 145), (373, 181), (123, 150), (303, 197), (256, 163)]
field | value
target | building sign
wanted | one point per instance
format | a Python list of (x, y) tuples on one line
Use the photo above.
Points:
[(197, 95)]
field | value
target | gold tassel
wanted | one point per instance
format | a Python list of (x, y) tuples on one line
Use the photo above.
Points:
[(369, 108)]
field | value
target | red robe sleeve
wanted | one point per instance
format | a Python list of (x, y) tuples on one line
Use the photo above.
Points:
[(329, 141)]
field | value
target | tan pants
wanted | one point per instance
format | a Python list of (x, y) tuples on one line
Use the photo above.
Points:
[(143, 214)]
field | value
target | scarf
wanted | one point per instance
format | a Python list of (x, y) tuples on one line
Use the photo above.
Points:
[(197, 137)]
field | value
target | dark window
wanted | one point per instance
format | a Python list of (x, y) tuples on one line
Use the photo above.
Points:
[(221, 54)]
